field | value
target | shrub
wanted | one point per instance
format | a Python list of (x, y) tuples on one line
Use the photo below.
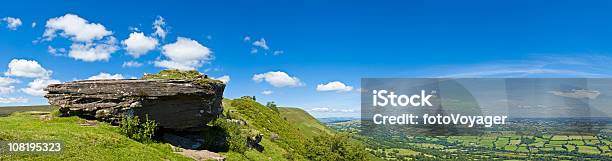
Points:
[(336, 147), (131, 127), (272, 106), (233, 135)]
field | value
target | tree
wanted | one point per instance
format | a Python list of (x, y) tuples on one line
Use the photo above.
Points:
[(272, 106)]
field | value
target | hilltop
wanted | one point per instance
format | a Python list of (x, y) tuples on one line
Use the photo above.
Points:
[(307, 124)]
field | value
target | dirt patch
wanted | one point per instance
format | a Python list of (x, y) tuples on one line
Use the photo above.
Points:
[(201, 155)]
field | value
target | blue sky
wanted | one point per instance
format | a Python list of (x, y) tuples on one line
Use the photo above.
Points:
[(316, 42)]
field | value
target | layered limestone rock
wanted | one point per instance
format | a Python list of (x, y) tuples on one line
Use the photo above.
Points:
[(173, 103)]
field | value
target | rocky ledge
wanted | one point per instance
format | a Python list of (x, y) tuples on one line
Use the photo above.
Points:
[(179, 104)]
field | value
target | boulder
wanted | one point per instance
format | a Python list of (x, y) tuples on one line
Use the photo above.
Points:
[(177, 104)]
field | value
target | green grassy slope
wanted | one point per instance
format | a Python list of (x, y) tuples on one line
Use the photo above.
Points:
[(290, 143), (5, 111), (296, 130), (99, 142), (293, 126), (307, 124)]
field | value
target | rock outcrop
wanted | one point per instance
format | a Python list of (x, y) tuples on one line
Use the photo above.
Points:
[(181, 105)]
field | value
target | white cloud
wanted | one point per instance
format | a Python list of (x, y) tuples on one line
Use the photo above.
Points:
[(247, 38), (577, 93), (184, 54), (261, 43), (267, 92), (12, 23), (159, 25), (253, 50), (56, 51), (76, 28), (13, 100), (6, 81), (90, 41), (225, 79), (7, 89), (131, 64), (36, 87), (106, 76), (27, 68), (138, 44), (6, 85), (325, 109), (278, 52), (278, 79), (33, 24), (334, 86), (90, 52)]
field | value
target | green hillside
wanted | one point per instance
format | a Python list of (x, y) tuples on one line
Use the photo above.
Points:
[(5, 111), (290, 134), (97, 142), (300, 137), (307, 124)]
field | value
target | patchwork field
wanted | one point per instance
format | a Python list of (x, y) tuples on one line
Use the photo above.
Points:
[(503, 145)]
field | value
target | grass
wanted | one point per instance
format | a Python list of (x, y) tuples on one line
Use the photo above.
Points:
[(266, 121), (101, 142), (199, 78), (5, 111), (307, 124)]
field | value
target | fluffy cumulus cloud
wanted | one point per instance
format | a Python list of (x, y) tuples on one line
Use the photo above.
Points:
[(6, 85), (106, 76), (27, 68), (93, 51), (131, 64), (90, 41), (225, 79), (12, 23), (138, 44), (278, 79), (36, 87), (13, 100), (267, 92), (76, 28), (577, 93), (159, 25), (184, 54), (334, 86)]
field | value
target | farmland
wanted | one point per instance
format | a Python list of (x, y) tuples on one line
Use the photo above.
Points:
[(509, 143)]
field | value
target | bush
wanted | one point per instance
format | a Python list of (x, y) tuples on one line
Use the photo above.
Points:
[(131, 127), (272, 106), (234, 138), (337, 147)]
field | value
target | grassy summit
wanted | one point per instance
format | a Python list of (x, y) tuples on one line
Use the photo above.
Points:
[(177, 74)]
